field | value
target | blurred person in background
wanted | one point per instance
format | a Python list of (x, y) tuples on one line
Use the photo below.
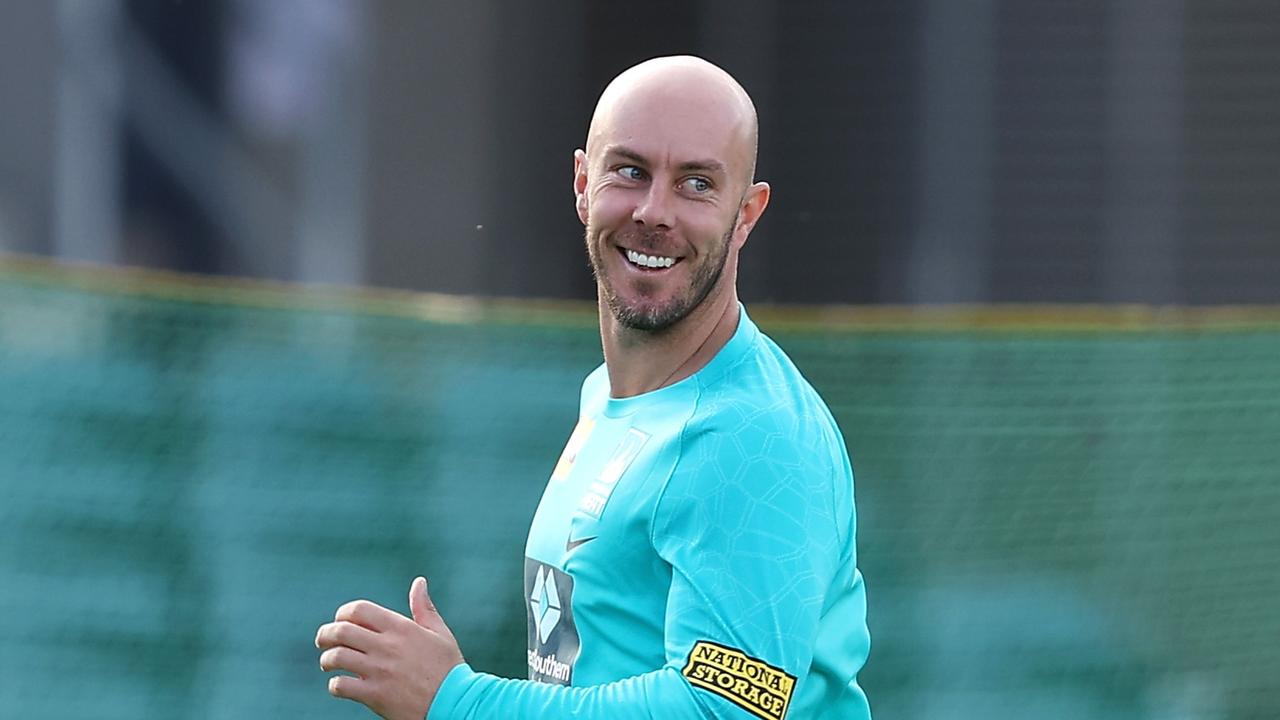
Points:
[(693, 555)]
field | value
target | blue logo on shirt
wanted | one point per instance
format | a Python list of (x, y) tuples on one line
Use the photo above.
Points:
[(553, 638)]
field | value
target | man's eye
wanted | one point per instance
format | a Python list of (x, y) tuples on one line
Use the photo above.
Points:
[(697, 185), (631, 172)]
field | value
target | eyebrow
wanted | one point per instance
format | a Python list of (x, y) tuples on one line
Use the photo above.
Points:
[(707, 166)]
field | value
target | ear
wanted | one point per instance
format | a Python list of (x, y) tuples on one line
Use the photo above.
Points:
[(580, 184), (754, 202)]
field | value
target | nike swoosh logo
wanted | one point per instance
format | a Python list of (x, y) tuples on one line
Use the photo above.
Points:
[(570, 545)]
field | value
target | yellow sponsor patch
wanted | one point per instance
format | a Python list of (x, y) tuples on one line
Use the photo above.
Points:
[(745, 681)]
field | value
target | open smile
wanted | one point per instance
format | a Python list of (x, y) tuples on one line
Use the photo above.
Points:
[(648, 262)]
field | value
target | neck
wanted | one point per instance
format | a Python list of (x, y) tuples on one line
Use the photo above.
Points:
[(639, 362)]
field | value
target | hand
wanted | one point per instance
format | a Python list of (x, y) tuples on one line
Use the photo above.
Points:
[(398, 663)]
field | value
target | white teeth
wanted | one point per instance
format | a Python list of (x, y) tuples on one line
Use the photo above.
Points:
[(651, 261)]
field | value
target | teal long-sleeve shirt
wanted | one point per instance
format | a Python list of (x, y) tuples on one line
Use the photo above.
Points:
[(692, 556)]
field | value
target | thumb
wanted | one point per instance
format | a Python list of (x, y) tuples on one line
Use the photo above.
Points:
[(424, 611)]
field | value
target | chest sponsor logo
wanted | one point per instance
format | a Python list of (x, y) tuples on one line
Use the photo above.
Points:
[(598, 494), (581, 432), (751, 684), (553, 637)]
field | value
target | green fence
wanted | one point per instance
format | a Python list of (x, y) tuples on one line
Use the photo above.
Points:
[(1058, 519)]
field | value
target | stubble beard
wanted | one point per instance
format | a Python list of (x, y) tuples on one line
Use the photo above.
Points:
[(657, 318)]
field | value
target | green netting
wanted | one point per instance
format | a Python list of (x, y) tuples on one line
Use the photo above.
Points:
[(1053, 524)]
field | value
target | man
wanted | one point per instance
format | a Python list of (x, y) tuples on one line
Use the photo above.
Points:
[(693, 553)]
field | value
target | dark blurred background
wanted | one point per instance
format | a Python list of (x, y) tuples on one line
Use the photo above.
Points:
[(1064, 512), (920, 150)]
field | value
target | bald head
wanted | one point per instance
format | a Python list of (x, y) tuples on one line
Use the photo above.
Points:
[(668, 97), (665, 191)]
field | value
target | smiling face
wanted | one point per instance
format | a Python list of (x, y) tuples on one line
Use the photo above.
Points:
[(664, 189)]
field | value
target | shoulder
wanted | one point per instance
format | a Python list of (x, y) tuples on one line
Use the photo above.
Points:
[(761, 440), (761, 426), (595, 391), (764, 399)]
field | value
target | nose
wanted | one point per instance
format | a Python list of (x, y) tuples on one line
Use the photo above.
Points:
[(655, 209)]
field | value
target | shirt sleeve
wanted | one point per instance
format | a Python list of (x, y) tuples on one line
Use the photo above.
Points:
[(746, 523), (470, 695)]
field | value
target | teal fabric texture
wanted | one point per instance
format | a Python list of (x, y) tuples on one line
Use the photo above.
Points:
[(693, 556)]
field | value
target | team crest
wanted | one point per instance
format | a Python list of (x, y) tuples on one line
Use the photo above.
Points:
[(581, 432), (601, 488)]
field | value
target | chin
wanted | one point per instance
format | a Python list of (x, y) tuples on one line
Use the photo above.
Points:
[(647, 317)]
